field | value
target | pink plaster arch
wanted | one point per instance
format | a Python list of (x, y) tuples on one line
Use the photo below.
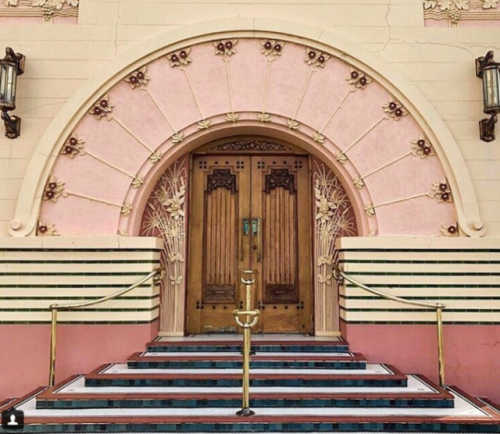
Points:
[(316, 106)]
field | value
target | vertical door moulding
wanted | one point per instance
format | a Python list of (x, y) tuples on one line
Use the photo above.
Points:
[(165, 217), (333, 217)]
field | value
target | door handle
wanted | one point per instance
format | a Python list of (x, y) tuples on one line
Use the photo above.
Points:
[(245, 230), (257, 231)]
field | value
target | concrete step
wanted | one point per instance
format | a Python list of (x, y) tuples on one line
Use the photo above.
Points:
[(73, 394), (376, 375), (207, 360)]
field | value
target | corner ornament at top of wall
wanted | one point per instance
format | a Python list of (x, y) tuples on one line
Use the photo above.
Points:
[(47, 8), (456, 10)]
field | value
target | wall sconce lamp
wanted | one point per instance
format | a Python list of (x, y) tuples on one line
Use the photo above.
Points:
[(10, 67), (489, 71)]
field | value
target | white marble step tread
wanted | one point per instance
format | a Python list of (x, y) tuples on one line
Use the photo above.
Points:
[(270, 337), (121, 368), (415, 385), (258, 353), (463, 408)]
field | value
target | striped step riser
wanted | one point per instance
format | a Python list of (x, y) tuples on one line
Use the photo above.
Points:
[(274, 364), (183, 427), (236, 402), (268, 382), (255, 348)]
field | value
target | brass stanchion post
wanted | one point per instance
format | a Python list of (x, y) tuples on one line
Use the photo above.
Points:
[(251, 317), (53, 345), (439, 314)]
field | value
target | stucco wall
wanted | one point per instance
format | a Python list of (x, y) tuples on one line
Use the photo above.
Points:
[(438, 61)]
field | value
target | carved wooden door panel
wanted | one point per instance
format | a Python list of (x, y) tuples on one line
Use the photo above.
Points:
[(281, 249), (220, 195), (250, 212)]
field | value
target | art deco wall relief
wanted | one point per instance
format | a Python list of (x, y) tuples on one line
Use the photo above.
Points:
[(461, 13), (133, 131), (43, 11)]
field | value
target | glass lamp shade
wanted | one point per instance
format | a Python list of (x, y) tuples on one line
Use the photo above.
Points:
[(491, 89), (8, 78)]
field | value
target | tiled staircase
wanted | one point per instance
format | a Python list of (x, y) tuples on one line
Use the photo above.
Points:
[(298, 384)]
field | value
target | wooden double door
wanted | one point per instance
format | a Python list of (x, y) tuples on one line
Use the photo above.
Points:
[(250, 212)]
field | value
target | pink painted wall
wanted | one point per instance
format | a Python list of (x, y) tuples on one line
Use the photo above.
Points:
[(24, 355), (472, 352)]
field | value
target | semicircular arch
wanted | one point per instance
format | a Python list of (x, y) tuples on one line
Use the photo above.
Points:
[(100, 157)]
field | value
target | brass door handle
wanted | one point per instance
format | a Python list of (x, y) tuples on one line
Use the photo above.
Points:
[(245, 231), (257, 231)]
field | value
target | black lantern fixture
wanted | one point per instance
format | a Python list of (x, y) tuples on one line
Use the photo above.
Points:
[(10, 67), (489, 71)]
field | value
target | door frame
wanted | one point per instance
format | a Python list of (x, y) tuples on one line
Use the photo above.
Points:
[(282, 148)]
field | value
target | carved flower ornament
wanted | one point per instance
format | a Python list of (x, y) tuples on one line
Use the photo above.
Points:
[(47, 229), (179, 57), (450, 231), (138, 78), (102, 108), (422, 147), (442, 192), (395, 110), (316, 58), (272, 47), (225, 47), (358, 79), (73, 146), (53, 189)]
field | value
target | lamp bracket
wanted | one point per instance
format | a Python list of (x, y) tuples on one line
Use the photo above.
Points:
[(487, 128), (12, 125)]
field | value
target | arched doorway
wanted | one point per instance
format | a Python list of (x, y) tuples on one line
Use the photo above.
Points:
[(251, 203)]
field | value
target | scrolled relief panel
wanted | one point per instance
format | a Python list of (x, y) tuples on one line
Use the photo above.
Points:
[(165, 217), (333, 218)]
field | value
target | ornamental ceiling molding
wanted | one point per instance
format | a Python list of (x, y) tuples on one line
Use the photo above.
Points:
[(461, 10), (46, 9), (404, 105)]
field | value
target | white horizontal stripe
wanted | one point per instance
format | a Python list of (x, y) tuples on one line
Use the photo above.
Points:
[(462, 408), (120, 369)]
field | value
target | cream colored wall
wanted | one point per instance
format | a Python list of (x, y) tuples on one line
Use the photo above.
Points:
[(438, 61)]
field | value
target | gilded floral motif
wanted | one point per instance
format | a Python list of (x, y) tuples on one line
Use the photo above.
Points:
[(53, 189), (155, 157), (442, 192), (126, 209), (358, 79), (232, 117), (73, 146), (272, 47), (333, 219), (341, 157), (316, 58), (165, 219), (293, 124), (102, 108), (137, 181), (264, 117), (395, 110), (138, 78), (318, 137), (369, 209), (225, 47), (359, 183), (179, 57), (422, 148), (47, 230)]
